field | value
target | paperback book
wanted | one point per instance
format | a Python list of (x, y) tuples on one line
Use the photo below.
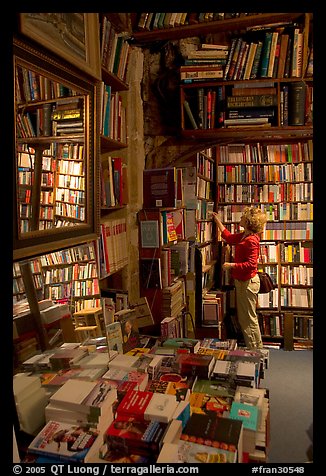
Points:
[(66, 442)]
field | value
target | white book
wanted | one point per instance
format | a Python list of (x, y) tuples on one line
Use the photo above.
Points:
[(94, 360), (72, 394), (221, 368), (24, 385), (246, 370), (161, 407)]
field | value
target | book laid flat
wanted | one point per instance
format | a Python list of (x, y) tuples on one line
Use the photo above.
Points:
[(213, 430), (195, 364), (134, 404), (189, 452), (140, 437), (66, 442), (255, 100), (161, 407)]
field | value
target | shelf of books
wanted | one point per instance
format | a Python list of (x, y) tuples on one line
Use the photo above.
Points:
[(111, 247), (277, 176), (163, 247), (198, 176), (257, 81)]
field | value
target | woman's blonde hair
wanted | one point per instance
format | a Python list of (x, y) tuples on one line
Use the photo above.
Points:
[(255, 219)]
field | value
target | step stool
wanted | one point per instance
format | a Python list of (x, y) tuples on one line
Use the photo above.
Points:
[(87, 323)]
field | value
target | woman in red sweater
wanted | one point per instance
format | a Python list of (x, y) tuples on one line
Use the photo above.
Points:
[(244, 271)]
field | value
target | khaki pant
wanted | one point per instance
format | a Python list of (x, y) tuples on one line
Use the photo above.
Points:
[(246, 301)]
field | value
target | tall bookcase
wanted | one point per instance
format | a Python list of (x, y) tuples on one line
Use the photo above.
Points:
[(199, 199), (277, 177), (112, 249)]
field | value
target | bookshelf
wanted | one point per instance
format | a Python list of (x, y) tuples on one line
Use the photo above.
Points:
[(70, 276), (198, 176), (277, 176), (163, 264), (111, 247), (222, 22)]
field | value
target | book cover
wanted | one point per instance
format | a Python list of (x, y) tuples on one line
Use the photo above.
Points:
[(114, 336), (150, 273), (182, 342), (149, 234), (161, 407), (134, 404), (64, 441), (140, 437), (254, 100), (248, 414), (101, 398), (213, 430), (130, 333), (159, 187), (194, 453), (205, 403), (72, 394), (195, 364)]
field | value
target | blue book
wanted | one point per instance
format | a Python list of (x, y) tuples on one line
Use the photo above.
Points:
[(248, 414), (265, 54)]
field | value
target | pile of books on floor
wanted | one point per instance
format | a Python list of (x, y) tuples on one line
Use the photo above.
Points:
[(179, 401)]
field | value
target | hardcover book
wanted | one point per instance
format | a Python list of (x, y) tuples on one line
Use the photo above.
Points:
[(150, 273)]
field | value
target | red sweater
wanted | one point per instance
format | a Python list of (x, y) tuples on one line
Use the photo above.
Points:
[(246, 254)]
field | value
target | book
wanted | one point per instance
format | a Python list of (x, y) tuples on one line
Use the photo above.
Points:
[(195, 364), (182, 342), (208, 53), (190, 115), (142, 312), (149, 233), (254, 100), (159, 187), (134, 404), (296, 103), (129, 330), (203, 73), (150, 273), (131, 362), (84, 396), (66, 442), (161, 407), (194, 453), (140, 437), (248, 415), (213, 430), (114, 336)]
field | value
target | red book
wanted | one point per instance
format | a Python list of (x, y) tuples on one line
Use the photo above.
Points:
[(195, 364), (134, 404), (143, 437)]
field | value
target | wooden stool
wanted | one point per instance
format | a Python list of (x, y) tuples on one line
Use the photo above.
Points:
[(87, 322)]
